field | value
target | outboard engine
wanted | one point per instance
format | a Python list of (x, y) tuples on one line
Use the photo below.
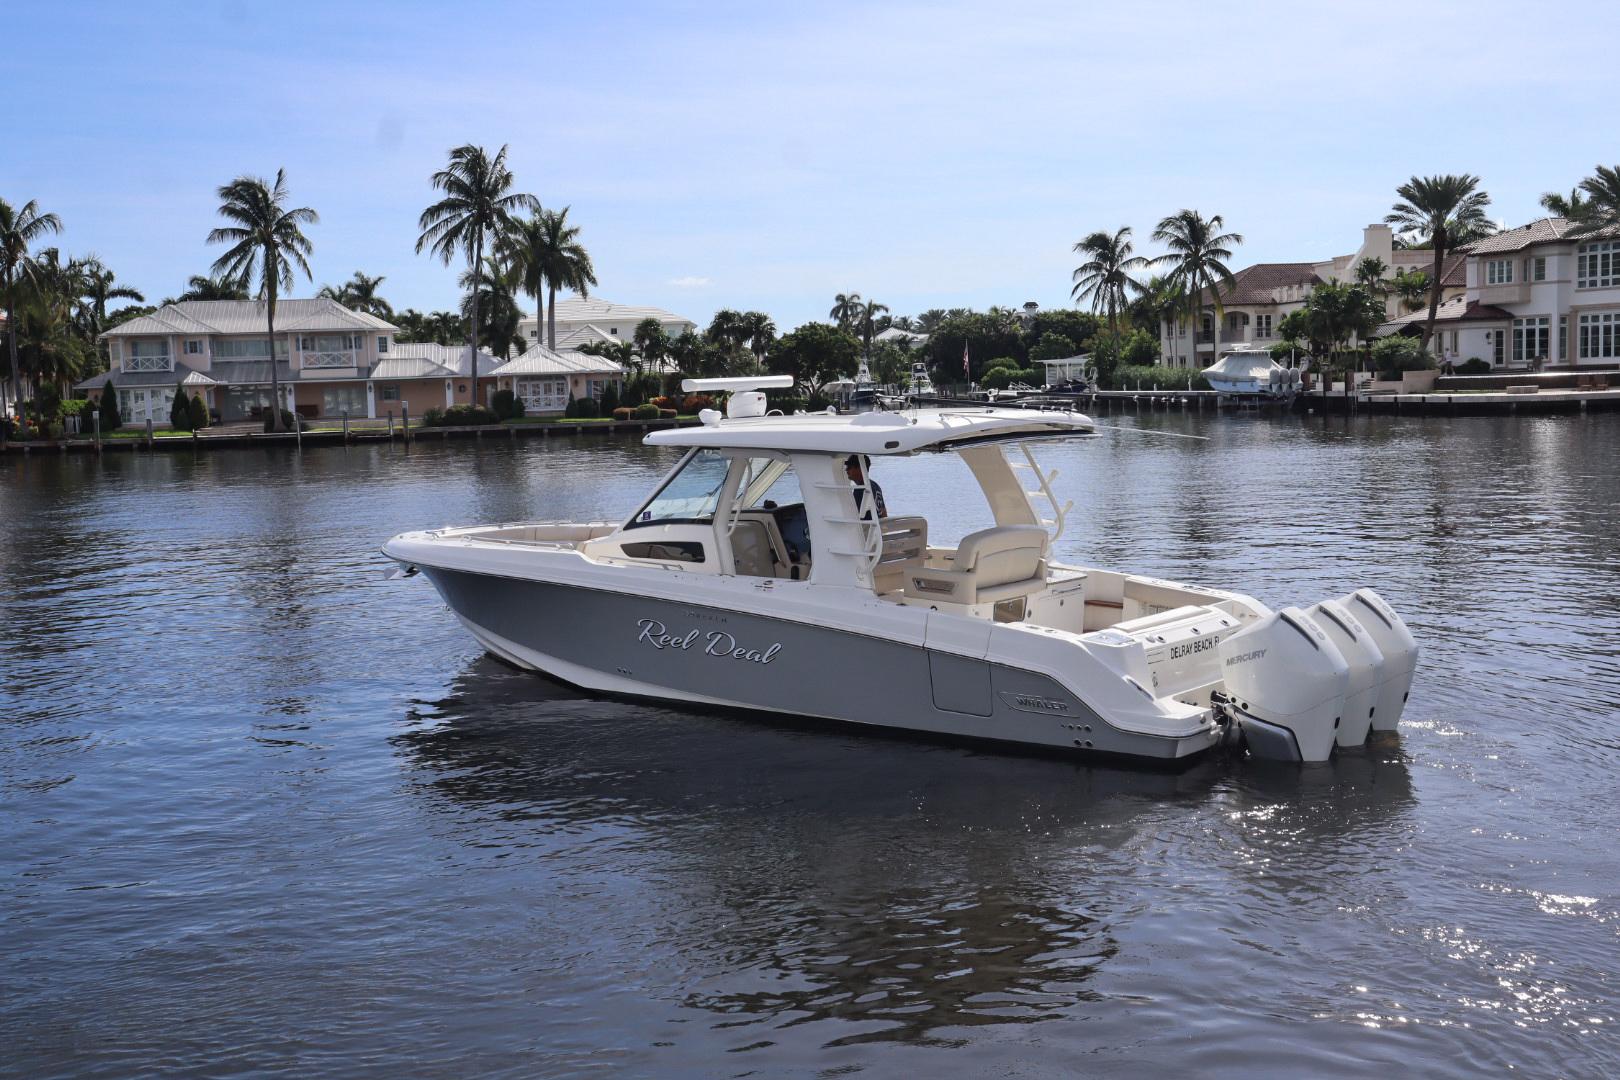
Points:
[(1287, 682), (1400, 651), (1366, 664)]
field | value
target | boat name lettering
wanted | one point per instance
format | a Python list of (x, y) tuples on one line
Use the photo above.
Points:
[(1244, 658), (712, 643), (1188, 648)]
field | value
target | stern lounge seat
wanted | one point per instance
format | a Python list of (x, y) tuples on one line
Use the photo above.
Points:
[(992, 565)]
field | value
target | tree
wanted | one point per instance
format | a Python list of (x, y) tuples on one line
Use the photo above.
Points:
[(19, 230), (727, 330), (267, 243), (492, 298), (1447, 211), (550, 257), (1105, 277), (1197, 261), (844, 310), (477, 208), (814, 355), (1601, 209), (359, 293), (197, 413), (760, 331), (1079, 327), (111, 420), (180, 411), (1411, 286), (981, 335), (866, 319), (1335, 314), (199, 287), (1052, 346), (53, 346), (1573, 207), (98, 285)]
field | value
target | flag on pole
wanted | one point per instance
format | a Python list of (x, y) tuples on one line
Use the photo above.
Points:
[(966, 372)]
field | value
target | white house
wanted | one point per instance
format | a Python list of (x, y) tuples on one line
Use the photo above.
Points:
[(417, 376), (603, 318), (545, 380), (1536, 296), (1263, 294)]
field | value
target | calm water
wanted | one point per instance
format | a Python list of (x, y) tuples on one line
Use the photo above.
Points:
[(261, 810)]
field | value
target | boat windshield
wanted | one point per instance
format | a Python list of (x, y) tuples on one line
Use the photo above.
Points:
[(690, 495)]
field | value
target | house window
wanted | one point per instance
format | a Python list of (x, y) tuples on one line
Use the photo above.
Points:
[(1597, 265), (1530, 338), (391, 393), (1598, 336), (1453, 349), (1262, 326), (1499, 272), (382, 343), (614, 330), (1563, 337), (339, 399), (148, 356), (1535, 269), (1498, 346), (534, 333), (194, 347), (248, 349)]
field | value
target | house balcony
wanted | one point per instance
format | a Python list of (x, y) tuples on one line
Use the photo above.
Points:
[(330, 359)]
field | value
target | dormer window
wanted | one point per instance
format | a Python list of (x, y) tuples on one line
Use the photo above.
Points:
[(194, 347), (382, 343)]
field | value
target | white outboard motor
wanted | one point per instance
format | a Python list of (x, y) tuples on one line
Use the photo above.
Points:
[(1287, 681), (1400, 651), (1366, 663)]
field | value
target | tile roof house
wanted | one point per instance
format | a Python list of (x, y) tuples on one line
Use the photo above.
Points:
[(1261, 295), (1545, 294)]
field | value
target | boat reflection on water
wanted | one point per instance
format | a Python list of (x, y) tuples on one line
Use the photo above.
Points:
[(876, 889)]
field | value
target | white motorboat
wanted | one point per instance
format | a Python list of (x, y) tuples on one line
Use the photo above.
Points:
[(1252, 372), (920, 384), (761, 574)]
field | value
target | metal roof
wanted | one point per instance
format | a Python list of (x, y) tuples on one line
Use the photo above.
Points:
[(539, 360), (427, 360), (180, 376), (201, 317), (577, 309), (875, 433)]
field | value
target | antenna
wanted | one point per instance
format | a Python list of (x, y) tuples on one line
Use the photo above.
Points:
[(747, 398)]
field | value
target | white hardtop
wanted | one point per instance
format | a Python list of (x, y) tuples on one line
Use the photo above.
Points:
[(874, 433)]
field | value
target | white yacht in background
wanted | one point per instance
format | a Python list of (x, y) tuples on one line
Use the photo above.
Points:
[(920, 385), (764, 573)]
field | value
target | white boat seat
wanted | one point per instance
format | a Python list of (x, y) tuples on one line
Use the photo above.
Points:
[(1004, 563), (752, 550), (905, 546)]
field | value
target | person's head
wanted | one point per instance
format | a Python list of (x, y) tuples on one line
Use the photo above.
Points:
[(852, 468)]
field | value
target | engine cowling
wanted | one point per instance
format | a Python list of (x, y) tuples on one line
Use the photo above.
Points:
[(1399, 648), (1288, 682), (1366, 663)]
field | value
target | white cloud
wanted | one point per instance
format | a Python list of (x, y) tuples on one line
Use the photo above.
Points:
[(689, 282)]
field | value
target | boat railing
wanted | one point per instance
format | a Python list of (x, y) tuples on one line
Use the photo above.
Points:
[(1060, 511)]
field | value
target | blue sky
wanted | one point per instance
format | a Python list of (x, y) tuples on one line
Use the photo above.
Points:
[(769, 156)]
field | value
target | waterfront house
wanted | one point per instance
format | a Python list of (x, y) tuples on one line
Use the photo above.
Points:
[(544, 380), (1536, 296), (1263, 294), (580, 320), (416, 376), (324, 355)]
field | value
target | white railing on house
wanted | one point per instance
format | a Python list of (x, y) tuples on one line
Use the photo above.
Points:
[(330, 360), (148, 363)]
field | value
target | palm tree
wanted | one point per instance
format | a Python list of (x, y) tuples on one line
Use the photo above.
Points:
[(495, 303), (267, 243), (726, 329), (1197, 261), (477, 208), (199, 287), (19, 229), (1447, 210), (1601, 209), (846, 307), (97, 285), (1105, 277), (1411, 286), (550, 257), (761, 335), (1574, 206), (866, 324), (360, 294)]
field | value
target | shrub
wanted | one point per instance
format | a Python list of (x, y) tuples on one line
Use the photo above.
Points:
[(610, 399), (1473, 366), (460, 416), (999, 378), (648, 411), (666, 414), (622, 412), (588, 409), (1393, 355), (663, 401), (110, 419), (571, 411), (180, 412), (287, 420), (197, 413), (1157, 377), (696, 403), (507, 405)]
